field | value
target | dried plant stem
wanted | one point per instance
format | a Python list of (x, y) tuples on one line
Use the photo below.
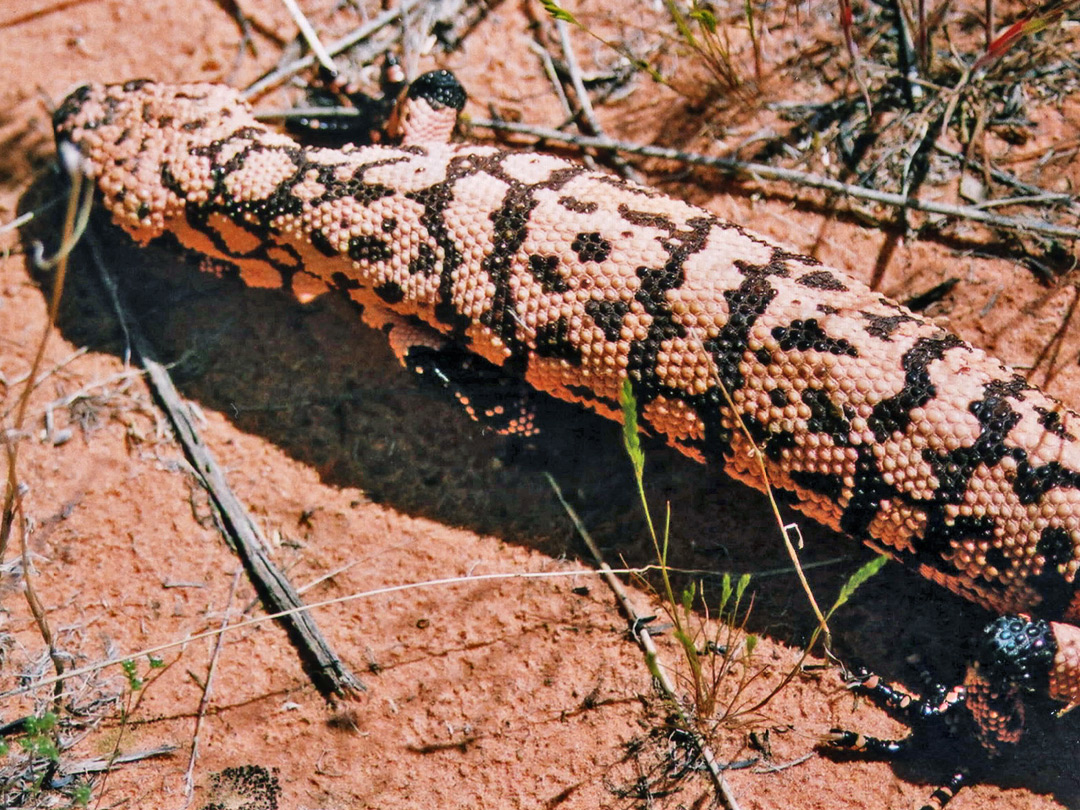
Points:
[(764, 171), (281, 74), (79, 199), (318, 50), (328, 671), (37, 609), (204, 699), (591, 122), (338, 600)]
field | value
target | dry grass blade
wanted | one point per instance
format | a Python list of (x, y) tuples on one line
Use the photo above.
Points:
[(207, 687), (1038, 20), (77, 213), (310, 37), (283, 73), (150, 652)]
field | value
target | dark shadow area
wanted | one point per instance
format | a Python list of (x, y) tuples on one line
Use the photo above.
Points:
[(316, 383)]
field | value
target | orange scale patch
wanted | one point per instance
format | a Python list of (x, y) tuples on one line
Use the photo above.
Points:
[(306, 287), (558, 377), (824, 457), (674, 419), (1065, 674), (684, 364), (742, 466), (236, 239), (975, 591), (968, 559), (907, 467), (900, 526), (821, 509), (703, 317), (419, 291), (487, 344)]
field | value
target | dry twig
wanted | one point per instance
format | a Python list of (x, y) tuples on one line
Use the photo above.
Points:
[(590, 124), (284, 72), (207, 687), (744, 168), (328, 672)]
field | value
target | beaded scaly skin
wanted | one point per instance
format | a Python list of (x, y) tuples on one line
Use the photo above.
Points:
[(883, 425)]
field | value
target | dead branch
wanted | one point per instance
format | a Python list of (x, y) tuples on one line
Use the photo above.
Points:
[(743, 168)]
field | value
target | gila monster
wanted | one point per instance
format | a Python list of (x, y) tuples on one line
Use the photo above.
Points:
[(883, 425)]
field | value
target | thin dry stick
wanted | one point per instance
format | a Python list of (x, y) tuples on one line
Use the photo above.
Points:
[(329, 673), (36, 608), (310, 37), (560, 93), (79, 352), (652, 655), (553, 76), (79, 200), (908, 51), (77, 196), (621, 166), (783, 766), (281, 74), (19, 221), (137, 690), (101, 764), (339, 600), (204, 700), (767, 488), (761, 170), (1013, 181)]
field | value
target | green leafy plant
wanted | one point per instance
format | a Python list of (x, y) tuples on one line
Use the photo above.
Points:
[(731, 645), (131, 671), (560, 14), (38, 738), (726, 657), (702, 32), (136, 691)]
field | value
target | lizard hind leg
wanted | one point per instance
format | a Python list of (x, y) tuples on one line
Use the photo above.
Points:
[(933, 720), (490, 396), (969, 725)]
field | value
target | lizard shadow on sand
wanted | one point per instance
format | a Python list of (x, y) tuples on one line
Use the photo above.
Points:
[(326, 390)]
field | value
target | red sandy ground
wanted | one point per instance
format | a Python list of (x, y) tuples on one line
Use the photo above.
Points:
[(512, 693)]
